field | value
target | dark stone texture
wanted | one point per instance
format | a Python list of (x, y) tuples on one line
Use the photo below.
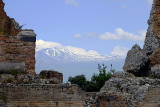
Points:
[(137, 62), (151, 41), (122, 74), (6, 67), (128, 90), (155, 71), (52, 76), (27, 36)]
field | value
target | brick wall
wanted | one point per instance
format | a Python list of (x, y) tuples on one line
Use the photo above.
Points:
[(14, 49), (43, 95)]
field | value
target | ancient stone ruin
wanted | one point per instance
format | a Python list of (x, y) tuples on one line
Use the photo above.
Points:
[(20, 86), (146, 61), (17, 46), (137, 86), (8, 26), (54, 77)]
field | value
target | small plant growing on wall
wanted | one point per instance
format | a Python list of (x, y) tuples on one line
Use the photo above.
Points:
[(13, 72), (3, 97), (9, 80), (25, 44)]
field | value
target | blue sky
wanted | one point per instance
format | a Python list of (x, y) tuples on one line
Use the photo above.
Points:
[(108, 27)]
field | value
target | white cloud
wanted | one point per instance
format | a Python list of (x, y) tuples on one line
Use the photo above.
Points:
[(149, 2), (81, 51), (91, 34), (86, 35), (109, 36), (71, 2), (40, 44), (78, 36), (120, 51), (120, 34), (124, 6)]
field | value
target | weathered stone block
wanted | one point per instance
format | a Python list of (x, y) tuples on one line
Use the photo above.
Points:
[(137, 62), (155, 71), (121, 74), (155, 57), (27, 36), (51, 76), (111, 101), (6, 67)]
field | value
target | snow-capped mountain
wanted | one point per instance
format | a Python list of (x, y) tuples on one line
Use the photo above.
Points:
[(71, 63), (61, 54)]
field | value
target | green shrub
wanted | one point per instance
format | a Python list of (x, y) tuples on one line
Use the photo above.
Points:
[(14, 72), (3, 97), (10, 80), (80, 80), (97, 80)]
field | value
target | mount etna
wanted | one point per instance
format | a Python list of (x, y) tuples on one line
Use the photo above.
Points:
[(71, 63)]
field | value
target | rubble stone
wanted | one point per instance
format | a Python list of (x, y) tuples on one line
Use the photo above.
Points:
[(130, 91)]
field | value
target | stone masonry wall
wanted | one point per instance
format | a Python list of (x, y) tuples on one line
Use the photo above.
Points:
[(111, 101), (17, 46), (42, 96), (13, 50)]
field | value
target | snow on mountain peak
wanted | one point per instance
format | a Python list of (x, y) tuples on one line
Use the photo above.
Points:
[(69, 53)]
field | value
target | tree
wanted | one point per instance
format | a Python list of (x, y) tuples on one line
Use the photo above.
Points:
[(97, 80), (100, 79), (80, 80)]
